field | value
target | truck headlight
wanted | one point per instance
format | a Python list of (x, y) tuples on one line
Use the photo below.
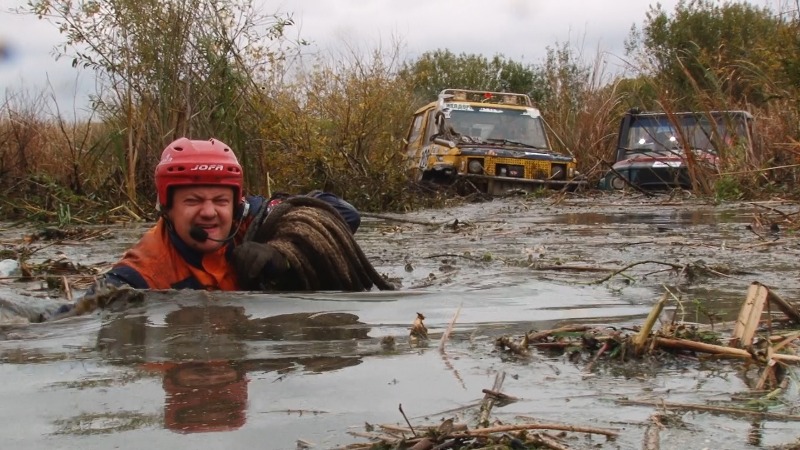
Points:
[(558, 172), (475, 166)]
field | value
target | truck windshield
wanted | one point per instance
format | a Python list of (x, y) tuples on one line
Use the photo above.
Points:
[(658, 133), (501, 124)]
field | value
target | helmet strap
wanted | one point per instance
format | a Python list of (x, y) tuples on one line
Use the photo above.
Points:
[(241, 210)]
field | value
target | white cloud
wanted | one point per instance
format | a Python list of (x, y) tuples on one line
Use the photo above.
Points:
[(519, 29), (32, 66)]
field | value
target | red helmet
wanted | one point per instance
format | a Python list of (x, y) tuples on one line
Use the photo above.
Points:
[(188, 162)]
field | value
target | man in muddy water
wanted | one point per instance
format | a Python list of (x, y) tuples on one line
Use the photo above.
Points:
[(198, 241)]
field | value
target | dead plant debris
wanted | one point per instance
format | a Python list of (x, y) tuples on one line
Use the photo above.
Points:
[(757, 338), (58, 272)]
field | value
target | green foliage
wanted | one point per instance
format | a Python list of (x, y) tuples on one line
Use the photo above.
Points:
[(565, 77), (770, 401), (169, 68), (639, 92), (539, 192), (729, 48), (727, 188), (442, 69), (339, 128), (64, 215)]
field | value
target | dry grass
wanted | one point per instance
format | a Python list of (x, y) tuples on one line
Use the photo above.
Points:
[(339, 127)]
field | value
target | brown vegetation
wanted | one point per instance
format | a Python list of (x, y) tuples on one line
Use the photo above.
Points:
[(337, 121)]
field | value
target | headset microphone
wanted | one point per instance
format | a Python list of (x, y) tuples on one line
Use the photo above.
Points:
[(201, 235)]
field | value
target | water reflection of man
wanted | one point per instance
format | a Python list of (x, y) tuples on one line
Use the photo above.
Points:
[(205, 396), (201, 354)]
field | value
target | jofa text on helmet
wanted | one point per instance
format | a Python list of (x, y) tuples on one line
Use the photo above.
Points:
[(207, 167)]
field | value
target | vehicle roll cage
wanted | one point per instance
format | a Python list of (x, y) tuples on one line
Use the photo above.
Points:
[(499, 98)]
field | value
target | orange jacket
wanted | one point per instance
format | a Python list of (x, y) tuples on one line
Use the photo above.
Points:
[(162, 261)]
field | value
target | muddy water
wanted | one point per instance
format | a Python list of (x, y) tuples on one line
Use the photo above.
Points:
[(223, 370)]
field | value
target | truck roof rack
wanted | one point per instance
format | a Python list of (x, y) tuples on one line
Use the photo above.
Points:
[(505, 98)]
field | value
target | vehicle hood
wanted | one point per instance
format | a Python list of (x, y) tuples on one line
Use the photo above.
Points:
[(521, 153), (660, 160)]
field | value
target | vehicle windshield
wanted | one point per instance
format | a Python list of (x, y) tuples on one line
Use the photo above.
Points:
[(657, 133), (496, 124)]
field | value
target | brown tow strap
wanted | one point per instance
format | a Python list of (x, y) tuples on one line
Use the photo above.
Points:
[(319, 247)]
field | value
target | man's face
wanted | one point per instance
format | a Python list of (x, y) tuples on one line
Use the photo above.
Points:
[(206, 207)]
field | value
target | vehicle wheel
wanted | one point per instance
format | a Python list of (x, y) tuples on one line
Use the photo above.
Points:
[(617, 183)]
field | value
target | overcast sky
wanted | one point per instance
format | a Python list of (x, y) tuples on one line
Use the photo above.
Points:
[(519, 29)]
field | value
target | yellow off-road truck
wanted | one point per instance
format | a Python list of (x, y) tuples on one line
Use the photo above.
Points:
[(496, 141)]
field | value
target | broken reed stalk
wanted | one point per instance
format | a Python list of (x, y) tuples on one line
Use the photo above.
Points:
[(449, 329), (546, 441), (401, 220), (716, 409), (420, 332), (685, 344), (619, 271), (640, 340), (769, 208), (782, 357), (652, 438), (394, 429), (597, 355), (539, 335), (536, 426), (758, 296), (555, 268), (406, 418), (372, 436), (127, 211), (749, 316), (499, 395), (67, 288), (784, 306), (785, 340), (773, 358), (425, 443), (767, 375), (488, 400)]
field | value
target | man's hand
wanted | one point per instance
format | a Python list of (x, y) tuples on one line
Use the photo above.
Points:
[(102, 295), (256, 263)]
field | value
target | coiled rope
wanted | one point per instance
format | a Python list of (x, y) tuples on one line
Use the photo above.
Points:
[(319, 247)]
